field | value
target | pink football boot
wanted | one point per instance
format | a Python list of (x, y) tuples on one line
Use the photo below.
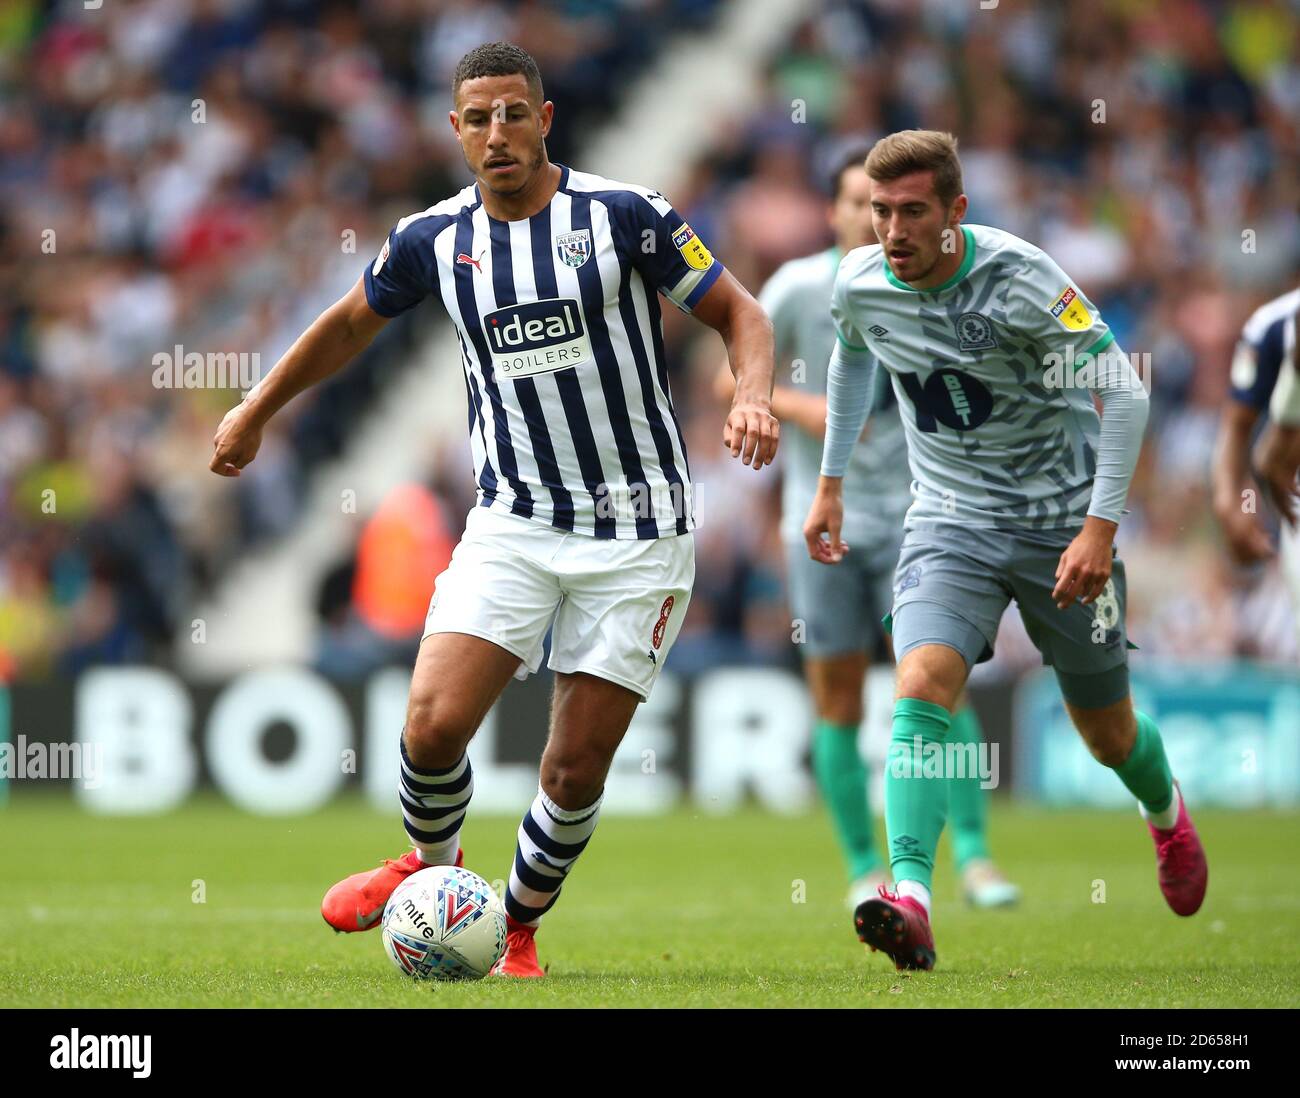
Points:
[(1180, 859), (899, 928)]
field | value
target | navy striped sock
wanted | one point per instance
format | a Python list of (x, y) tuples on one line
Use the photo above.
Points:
[(433, 806), (550, 840)]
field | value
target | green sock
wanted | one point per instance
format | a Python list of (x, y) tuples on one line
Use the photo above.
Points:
[(1146, 771), (843, 782), (915, 805), (967, 801)]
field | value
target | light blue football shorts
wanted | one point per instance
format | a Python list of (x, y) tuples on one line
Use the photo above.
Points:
[(841, 605), (953, 583)]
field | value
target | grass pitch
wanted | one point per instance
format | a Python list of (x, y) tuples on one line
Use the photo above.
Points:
[(684, 910)]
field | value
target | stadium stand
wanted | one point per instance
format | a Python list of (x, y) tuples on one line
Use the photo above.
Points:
[(128, 229)]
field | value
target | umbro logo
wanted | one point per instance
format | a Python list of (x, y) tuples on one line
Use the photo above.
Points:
[(877, 331), (541, 858)]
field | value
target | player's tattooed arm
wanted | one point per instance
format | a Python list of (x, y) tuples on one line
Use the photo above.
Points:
[(1247, 541), (751, 432), (334, 338)]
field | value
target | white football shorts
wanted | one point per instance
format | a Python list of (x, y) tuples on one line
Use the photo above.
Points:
[(614, 607)]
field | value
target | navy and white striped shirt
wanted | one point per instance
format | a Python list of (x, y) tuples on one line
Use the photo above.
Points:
[(1266, 341), (570, 417)]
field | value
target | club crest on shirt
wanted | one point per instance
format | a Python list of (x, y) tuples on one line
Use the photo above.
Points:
[(1070, 310), (574, 249), (974, 332)]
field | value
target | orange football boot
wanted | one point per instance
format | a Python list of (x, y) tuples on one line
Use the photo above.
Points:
[(520, 957), (357, 902)]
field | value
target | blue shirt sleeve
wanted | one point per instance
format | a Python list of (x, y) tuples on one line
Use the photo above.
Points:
[(1255, 367), (404, 272), (660, 244)]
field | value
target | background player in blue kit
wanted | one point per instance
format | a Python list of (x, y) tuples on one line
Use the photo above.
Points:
[(585, 508), (1264, 370)]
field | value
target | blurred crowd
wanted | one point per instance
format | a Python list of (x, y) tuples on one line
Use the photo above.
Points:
[(208, 175), (1152, 147), (211, 173)]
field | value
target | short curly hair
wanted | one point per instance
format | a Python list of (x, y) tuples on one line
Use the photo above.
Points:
[(498, 59)]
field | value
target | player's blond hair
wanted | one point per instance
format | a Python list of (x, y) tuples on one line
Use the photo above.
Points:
[(909, 151)]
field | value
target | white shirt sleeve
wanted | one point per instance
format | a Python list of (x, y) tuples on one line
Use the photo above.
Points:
[(850, 386), (1124, 410), (1284, 404)]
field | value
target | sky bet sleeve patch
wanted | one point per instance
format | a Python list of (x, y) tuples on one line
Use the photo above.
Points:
[(697, 256), (1070, 310)]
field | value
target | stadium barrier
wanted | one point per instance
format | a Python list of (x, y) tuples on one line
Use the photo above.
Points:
[(284, 740), (1231, 731)]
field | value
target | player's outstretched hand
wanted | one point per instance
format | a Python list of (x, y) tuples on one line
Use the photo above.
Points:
[(1277, 459), (751, 433), (825, 517), (1084, 567), (236, 442)]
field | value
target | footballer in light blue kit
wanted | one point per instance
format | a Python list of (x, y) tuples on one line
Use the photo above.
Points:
[(995, 355), (842, 607)]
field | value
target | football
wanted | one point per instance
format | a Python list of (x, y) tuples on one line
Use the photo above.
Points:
[(444, 923)]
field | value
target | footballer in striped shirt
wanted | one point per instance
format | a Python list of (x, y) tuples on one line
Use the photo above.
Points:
[(552, 278)]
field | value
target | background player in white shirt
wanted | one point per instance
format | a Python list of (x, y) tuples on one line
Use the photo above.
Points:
[(584, 497)]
